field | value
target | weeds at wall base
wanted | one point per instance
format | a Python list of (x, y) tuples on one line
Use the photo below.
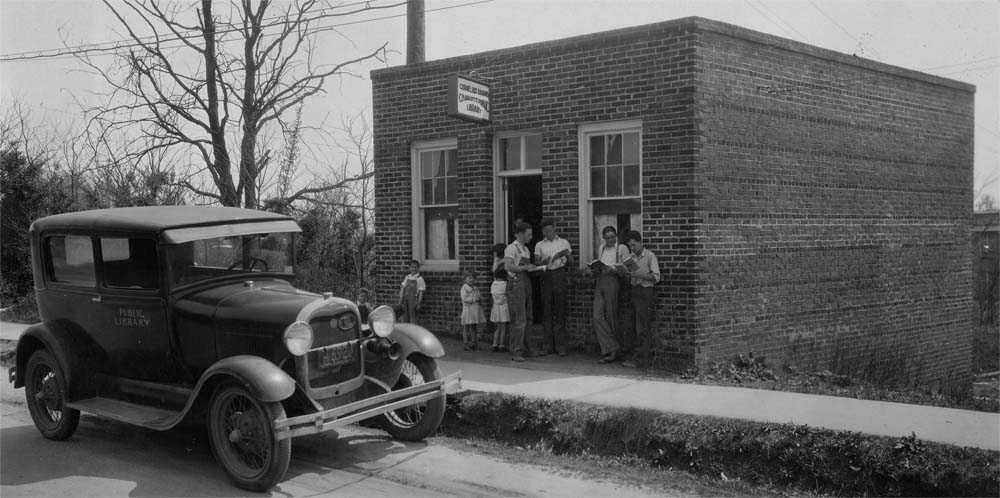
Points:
[(779, 455)]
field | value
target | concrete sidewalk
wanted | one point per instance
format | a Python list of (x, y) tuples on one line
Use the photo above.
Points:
[(578, 378), (943, 425)]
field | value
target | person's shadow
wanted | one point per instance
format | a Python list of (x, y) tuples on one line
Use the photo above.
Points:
[(117, 459)]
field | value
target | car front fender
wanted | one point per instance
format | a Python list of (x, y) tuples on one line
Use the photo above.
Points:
[(414, 338), (264, 379)]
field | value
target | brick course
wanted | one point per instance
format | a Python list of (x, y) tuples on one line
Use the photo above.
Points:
[(806, 205)]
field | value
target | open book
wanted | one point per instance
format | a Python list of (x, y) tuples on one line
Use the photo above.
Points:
[(599, 266), (630, 264)]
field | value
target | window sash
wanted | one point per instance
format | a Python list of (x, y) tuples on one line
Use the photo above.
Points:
[(519, 153), (610, 181), (435, 204)]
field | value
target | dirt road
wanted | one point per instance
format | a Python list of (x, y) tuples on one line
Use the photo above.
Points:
[(106, 458)]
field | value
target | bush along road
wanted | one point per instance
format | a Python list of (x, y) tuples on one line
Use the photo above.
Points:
[(793, 457)]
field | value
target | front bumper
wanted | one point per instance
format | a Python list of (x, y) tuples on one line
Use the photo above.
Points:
[(323, 421)]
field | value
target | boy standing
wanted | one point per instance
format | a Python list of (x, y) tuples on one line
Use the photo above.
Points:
[(556, 255), (517, 264), (411, 292), (643, 275)]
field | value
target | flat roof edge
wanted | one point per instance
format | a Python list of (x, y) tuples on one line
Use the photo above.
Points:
[(697, 24)]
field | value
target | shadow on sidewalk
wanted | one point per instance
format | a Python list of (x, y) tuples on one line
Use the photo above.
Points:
[(578, 363)]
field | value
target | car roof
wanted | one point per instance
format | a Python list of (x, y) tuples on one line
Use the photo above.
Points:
[(153, 218)]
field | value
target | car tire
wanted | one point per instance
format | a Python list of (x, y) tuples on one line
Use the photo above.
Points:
[(416, 422), (243, 440), (45, 391)]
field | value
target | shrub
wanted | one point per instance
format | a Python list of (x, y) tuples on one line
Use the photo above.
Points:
[(786, 455)]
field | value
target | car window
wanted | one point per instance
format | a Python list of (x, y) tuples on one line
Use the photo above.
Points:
[(227, 256), (129, 263), (71, 260)]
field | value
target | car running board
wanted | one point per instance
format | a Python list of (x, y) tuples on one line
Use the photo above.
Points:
[(149, 417)]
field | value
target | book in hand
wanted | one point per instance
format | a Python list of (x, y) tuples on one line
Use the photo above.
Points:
[(561, 254), (597, 265), (631, 265)]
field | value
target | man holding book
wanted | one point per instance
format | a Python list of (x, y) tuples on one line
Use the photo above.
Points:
[(608, 269), (643, 272), (517, 262), (554, 254)]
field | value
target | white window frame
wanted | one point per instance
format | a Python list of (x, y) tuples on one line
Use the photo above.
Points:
[(419, 242), (584, 132), (500, 175)]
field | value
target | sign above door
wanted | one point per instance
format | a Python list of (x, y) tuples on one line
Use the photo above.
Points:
[(468, 99)]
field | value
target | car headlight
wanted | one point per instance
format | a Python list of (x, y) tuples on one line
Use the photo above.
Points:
[(382, 320), (298, 338)]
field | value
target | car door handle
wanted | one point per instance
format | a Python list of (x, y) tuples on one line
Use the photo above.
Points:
[(95, 299)]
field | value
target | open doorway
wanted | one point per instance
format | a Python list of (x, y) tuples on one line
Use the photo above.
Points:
[(523, 201)]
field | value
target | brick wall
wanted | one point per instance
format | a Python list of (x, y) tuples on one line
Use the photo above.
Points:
[(836, 199), (553, 87), (805, 205)]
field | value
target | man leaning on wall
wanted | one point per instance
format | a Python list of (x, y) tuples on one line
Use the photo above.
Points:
[(643, 272)]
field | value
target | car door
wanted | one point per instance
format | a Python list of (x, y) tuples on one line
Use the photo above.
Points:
[(131, 309)]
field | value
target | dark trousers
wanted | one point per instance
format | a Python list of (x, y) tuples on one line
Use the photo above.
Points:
[(642, 302), (554, 303)]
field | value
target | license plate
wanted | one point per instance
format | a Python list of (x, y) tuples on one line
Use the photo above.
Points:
[(335, 356)]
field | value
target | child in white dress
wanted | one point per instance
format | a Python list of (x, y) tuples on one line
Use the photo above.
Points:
[(472, 314), (500, 314)]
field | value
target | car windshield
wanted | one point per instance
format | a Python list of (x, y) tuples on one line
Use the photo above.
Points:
[(229, 256)]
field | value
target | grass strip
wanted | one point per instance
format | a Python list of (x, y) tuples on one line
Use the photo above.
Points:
[(779, 455)]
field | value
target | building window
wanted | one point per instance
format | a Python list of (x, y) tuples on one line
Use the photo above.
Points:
[(435, 223), (520, 153), (610, 181)]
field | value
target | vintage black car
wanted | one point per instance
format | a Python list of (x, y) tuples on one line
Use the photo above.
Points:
[(154, 315)]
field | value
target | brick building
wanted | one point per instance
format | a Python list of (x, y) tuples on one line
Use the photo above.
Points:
[(807, 205)]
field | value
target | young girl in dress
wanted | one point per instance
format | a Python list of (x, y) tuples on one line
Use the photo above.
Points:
[(472, 314), (500, 314)]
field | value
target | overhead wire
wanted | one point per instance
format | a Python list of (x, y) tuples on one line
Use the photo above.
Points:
[(165, 43), (97, 46), (785, 24)]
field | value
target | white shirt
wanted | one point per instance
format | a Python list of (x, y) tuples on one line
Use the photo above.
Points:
[(612, 255), (546, 248)]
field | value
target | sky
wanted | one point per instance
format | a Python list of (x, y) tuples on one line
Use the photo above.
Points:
[(957, 39)]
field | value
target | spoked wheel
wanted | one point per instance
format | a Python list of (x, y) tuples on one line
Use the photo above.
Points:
[(241, 429), (416, 422), (45, 389)]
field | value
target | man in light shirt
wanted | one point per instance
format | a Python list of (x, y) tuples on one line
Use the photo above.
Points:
[(643, 275), (554, 253), (607, 282)]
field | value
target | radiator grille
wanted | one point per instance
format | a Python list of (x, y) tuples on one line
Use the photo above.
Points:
[(327, 329)]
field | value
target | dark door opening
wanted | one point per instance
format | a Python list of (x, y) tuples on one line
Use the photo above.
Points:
[(524, 203)]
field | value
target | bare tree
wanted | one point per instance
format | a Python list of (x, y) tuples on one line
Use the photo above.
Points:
[(191, 74), (361, 194), (985, 202)]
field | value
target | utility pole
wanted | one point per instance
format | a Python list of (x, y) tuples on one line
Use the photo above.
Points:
[(414, 31)]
